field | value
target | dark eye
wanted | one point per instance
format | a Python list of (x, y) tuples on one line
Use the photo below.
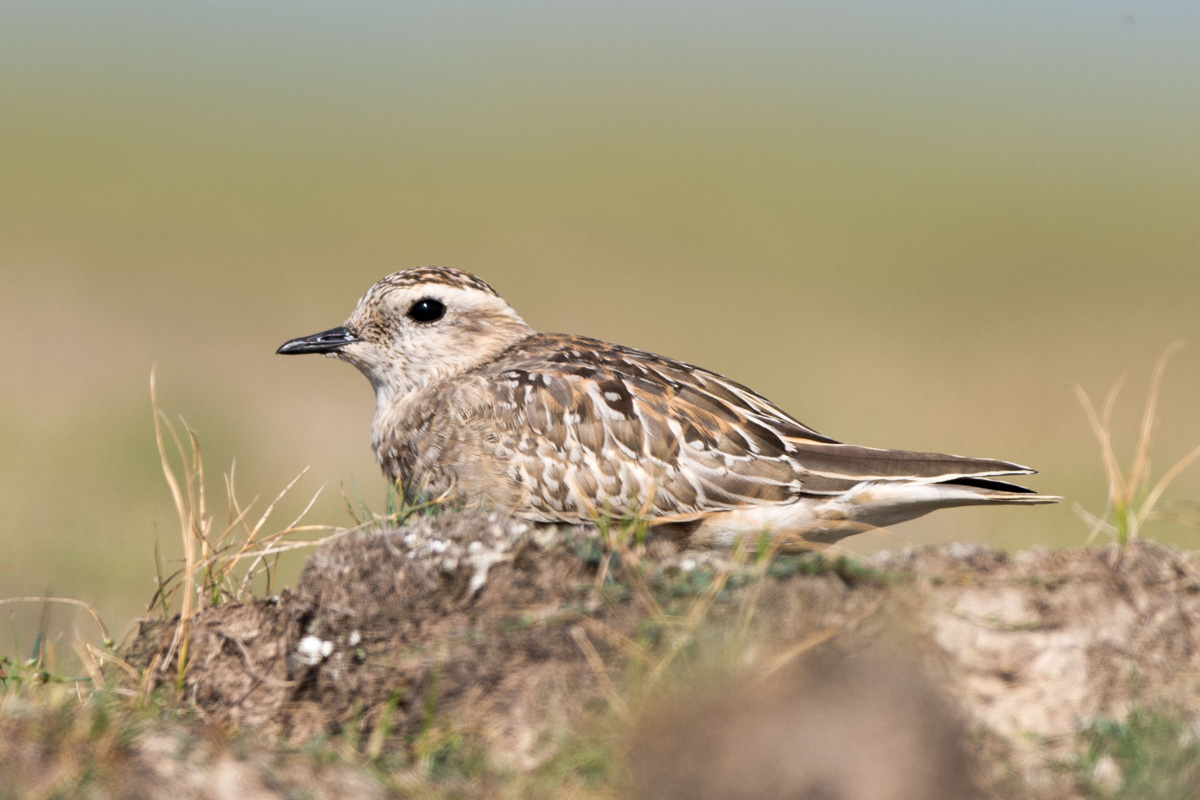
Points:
[(426, 310)]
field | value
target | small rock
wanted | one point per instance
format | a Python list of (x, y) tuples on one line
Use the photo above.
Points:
[(312, 650)]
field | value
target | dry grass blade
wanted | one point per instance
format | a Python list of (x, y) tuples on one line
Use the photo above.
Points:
[(88, 607), (634, 650), (814, 639), (185, 510), (168, 473), (1152, 499), (1097, 524), (623, 542), (294, 527), (776, 545), (103, 657), (1139, 472), (1129, 503), (697, 613), (596, 664), (227, 564), (1100, 424), (201, 522)]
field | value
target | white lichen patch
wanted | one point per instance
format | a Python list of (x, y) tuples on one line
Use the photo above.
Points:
[(470, 544), (312, 650)]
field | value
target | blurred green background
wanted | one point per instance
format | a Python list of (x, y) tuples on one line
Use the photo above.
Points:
[(909, 224)]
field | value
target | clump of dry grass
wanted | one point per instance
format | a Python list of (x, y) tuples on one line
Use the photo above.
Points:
[(219, 563), (1132, 500)]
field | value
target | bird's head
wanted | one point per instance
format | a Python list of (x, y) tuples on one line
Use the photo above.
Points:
[(417, 327)]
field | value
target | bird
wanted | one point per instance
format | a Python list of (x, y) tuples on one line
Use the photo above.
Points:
[(476, 409)]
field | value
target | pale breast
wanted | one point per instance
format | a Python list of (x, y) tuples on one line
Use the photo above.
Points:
[(438, 444)]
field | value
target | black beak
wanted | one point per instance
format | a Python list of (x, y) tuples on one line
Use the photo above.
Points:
[(329, 341)]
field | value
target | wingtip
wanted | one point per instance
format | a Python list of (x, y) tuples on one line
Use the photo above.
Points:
[(1008, 467)]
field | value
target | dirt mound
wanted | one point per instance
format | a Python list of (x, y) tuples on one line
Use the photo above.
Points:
[(1038, 646), (471, 636)]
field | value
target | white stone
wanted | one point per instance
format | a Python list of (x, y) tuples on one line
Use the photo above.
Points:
[(311, 650)]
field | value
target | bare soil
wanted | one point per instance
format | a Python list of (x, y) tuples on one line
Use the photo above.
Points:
[(468, 639)]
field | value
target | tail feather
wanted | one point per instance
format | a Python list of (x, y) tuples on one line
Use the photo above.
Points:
[(859, 463), (833, 469), (888, 503), (870, 504), (958, 493)]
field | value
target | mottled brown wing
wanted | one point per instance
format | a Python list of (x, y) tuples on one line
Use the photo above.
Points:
[(824, 465), (593, 430), (596, 429)]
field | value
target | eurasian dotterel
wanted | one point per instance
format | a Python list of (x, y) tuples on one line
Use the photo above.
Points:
[(475, 408)]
